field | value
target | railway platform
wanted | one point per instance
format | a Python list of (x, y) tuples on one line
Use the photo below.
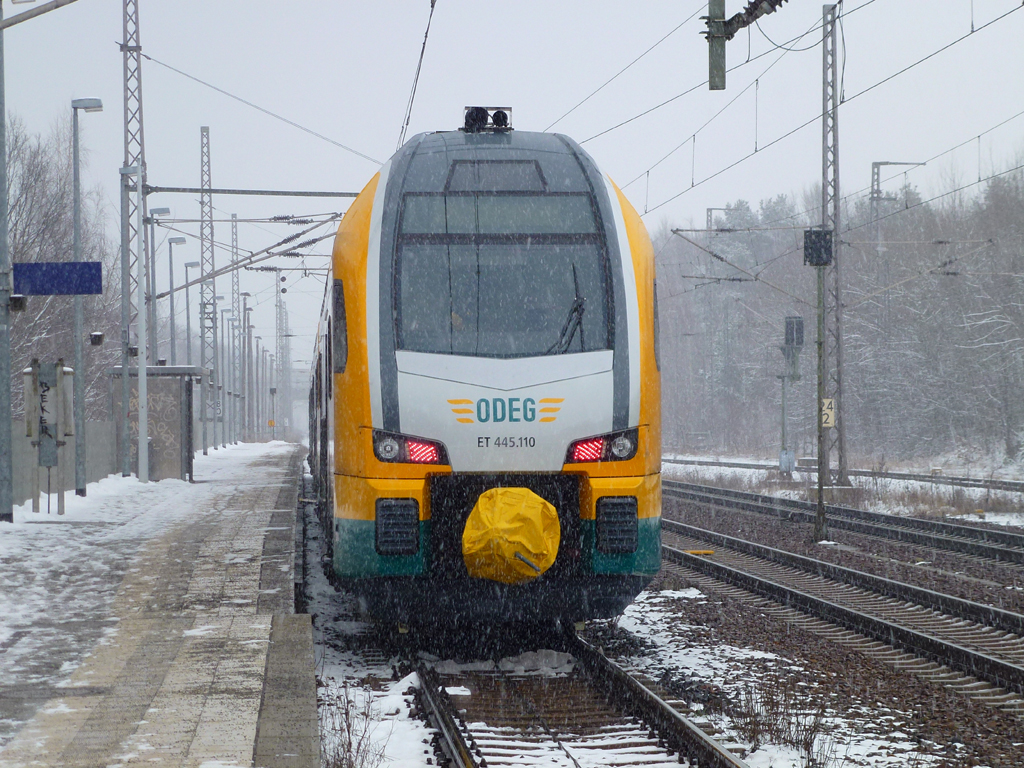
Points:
[(196, 656)]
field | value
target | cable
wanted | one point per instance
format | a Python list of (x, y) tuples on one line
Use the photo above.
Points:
[(755, 277), (899, 211), (733, 165), (934, 53), (705, 82), (634, 61), (261, 109), (783, 47), (849, 196), (415, 80), (818, 116), (711, 119)]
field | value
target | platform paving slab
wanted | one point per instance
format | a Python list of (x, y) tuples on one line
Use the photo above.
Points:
[(202, 660)]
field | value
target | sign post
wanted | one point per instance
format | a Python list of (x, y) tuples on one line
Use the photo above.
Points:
[(49, 409)]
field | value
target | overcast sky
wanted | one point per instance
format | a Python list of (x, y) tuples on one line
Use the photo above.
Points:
[(344, 69)]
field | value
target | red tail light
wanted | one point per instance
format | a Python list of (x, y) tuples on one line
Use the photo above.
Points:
[(616, 446), (422, 453), (395, 448), (588, 450)]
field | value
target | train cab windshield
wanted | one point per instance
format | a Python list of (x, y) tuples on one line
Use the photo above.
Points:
[(501, 274)]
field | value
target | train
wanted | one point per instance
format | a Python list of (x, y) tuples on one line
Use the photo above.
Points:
[(485, 395)]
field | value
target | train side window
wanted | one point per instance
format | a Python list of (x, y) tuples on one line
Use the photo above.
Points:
[(657, 330), (330, 366), (339, 341)]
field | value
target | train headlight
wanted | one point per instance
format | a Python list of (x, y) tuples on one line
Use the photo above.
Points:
[(623, 447), (403, 449), (387, 448), (617, 446)]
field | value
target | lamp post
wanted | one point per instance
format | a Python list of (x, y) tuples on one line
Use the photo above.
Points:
[(188, 317), (170, 292), (222, 378), (232, 370), (88, 105), (273, 411), (151, 277), (245, 351), (256, 390)]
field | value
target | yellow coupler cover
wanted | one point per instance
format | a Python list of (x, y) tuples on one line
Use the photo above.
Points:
[(511, 536)]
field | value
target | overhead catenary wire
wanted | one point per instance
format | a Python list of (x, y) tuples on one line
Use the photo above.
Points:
[(415, 80), (258, 108), (621, 71), (899, 211), (733, 100), (738, 268), (818, 116), (851, 195), (253, 258), (701, 84)]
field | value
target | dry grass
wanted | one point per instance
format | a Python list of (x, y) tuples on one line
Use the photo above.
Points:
[(349, 721), (774, 711)]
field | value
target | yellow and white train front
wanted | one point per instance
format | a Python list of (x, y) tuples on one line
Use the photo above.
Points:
[(498, 300)]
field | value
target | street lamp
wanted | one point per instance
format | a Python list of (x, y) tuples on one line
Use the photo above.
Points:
[(188, 317), (245, 365), (222, 379), (151, 276), (170, 291), (87, 105)]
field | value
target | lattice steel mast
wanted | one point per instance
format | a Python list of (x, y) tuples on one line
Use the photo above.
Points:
[(134, 157), (835, 439), (236, 311), (207, 290), (281, 327)]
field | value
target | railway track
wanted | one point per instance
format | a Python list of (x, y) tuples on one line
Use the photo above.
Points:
[(595, 715), (1003, 546), (978, 648), (990, 484)]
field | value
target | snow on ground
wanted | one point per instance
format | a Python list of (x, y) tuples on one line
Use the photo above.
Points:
[(886, 495), (60, 573), (864, 738)]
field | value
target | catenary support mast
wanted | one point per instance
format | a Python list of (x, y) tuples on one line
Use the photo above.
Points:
[(236, 312), (835, 439), (207, 292), (132, 241)]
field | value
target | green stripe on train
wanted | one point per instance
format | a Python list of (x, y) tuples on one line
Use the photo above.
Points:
[(355, 552), (646, 561)]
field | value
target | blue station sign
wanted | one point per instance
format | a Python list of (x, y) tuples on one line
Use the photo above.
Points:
[(58, 278)]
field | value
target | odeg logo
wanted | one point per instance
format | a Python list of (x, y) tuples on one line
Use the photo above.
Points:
[(496, 410)]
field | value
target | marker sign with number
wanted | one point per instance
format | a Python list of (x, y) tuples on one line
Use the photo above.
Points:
[(828, 413)]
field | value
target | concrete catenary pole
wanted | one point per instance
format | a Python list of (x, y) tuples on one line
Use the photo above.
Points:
[(170, 295), (89, 105), (143, 352)]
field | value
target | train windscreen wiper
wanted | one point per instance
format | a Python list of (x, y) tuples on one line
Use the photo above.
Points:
[(573, 322)]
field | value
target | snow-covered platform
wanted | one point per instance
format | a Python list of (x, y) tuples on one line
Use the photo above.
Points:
[(154, 624)]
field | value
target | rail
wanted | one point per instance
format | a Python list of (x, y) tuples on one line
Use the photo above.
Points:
[(991, 484), (947, 604), (441, 714), (996, 671), (634, 697), (994, 544)]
